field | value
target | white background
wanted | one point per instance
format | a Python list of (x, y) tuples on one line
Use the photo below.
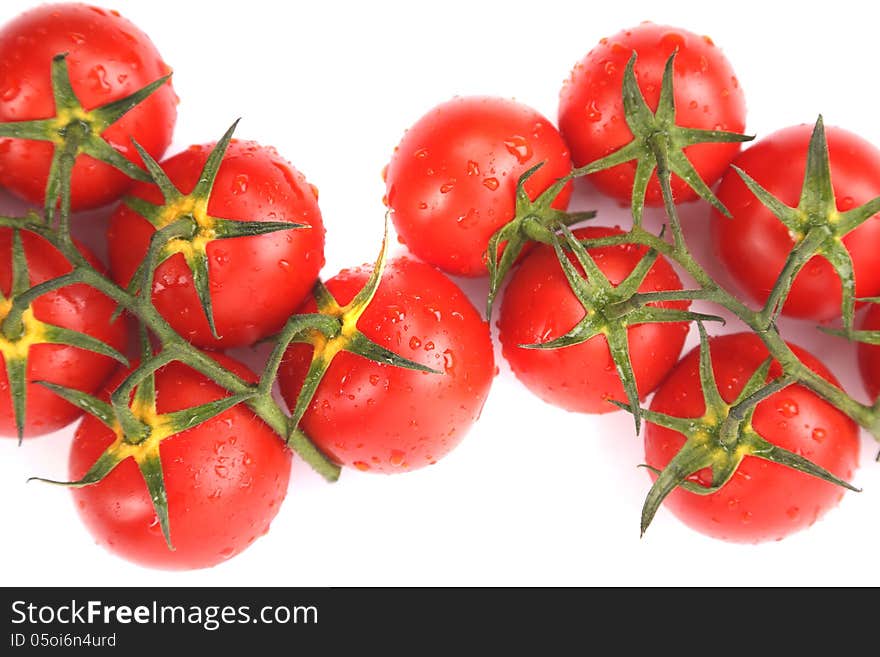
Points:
[(534, 495)]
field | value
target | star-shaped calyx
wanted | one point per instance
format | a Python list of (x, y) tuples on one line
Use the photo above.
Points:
[(533, 221), (151, 429), (610, 310), (75, 130), (658, 143), (721, 438), (816, 226), (183, 225), (332, 329), (20, 330)]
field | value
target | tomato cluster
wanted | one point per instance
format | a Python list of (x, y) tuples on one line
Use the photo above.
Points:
[(184, 456)]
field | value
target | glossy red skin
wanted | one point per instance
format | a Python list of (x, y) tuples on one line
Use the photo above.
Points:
[(763, 501), (707, 96), (379, 418), (869, 355), (76, 307), (109, 58), (539, 306), (225, 479), (256, 282), (754, 245), (451, 183)]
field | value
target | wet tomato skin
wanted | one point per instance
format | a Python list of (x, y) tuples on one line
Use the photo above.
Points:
[(539, 306), (225, 479), (451, 182), (707, 96), (763, 501), (75, 307), (379, 418), (256, 282), (109, 58), (754, 244)]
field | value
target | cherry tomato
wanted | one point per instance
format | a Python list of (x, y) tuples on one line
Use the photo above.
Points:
[(108, 58), (763, 501), (256, 282), (380, 418), (75, 307), (869, 355), (539, 306), (451, 182), (755, 244), (707, 97), (225, 479)]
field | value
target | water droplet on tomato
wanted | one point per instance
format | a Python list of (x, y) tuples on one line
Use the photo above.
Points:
[(397, 458), (793, 512), (473, 169), (284, 265), (469, 219), (98, 77), (423, 205), (221, 471), (360, 465), (693, 104), (519, 148), (11, 91), (593, 113), (429, 346), (414, 343), (240, 184), (76, 38), (445, 188), (846, 203), (448, 361), (385, 173), (818, 434), (788, 408), (491, 183), (421, 154), (672, 40), (227, 552), (704, 64)]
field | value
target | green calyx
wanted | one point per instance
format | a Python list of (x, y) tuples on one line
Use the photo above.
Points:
[(74, 131), (140, 429), (610, 310), (183, 225), (816, 226), (331, 330), (658, 143), (721, 438), (533, 221), (20, 330)]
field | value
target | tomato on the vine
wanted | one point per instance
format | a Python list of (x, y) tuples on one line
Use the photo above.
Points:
[(451, 182), (707, 96), (763, 500), (754, 244), (380, 418), (75, 307), (255, 282), (109, 58), (539, 306), (225, 479)]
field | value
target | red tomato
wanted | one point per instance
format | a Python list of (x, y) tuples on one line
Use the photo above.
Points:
[(754, 244), (451, 182), (256, 282), (763, 501), (380, 418), (539, 306), (109, 58), (869, 355), (225, 479), (707, 97), (75, 307)]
